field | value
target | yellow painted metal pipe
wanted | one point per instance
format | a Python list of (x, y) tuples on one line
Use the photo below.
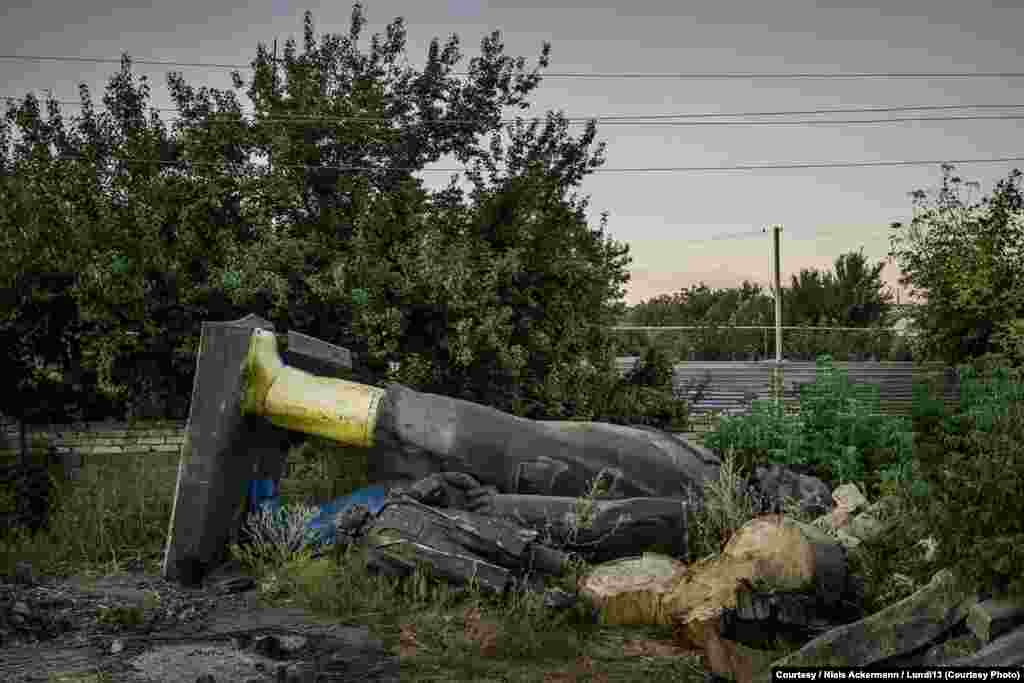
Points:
[(344, 412)]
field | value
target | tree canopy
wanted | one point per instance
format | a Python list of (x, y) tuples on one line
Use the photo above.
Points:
[(309, 211), (851, 295), (964, 258)]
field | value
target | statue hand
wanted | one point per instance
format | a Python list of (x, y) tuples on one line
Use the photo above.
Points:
[(430, 490), (481, 499)]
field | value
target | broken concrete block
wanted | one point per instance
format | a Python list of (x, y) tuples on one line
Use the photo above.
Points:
[(991, 618), (901, 628), (1007, 650)]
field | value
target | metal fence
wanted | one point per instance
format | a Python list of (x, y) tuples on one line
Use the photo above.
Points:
[(731, 387)]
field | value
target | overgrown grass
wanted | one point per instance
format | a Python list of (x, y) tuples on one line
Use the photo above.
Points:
[(450, 634)]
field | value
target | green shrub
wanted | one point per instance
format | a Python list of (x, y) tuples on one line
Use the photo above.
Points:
[(654, 369), (645, 396), (972, 467), (838, 434), (632, 405)]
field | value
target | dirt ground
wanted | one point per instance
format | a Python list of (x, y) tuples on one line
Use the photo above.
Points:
[(182, 634)]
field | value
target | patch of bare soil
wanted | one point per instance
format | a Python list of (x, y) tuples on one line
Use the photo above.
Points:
[(138, 628)]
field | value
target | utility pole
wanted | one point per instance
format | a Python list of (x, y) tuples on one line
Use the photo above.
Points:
[(778, 294), (777, 277)]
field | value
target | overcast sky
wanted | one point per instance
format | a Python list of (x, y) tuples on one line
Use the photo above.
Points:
[(666, 218)]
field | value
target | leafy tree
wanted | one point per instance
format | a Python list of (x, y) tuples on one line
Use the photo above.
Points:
[(699, 304), (493, 295), (134, 229), (501, 294), (858, 295), (656, 311), (851, 295), (809, 300), (964, 258), (39, 333), (755, 306), (49, 216)]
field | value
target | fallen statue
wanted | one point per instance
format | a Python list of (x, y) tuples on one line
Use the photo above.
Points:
[(466, 531), (491, 496), (478, 468)]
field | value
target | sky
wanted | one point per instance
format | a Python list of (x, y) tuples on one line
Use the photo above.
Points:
[(672, 221)]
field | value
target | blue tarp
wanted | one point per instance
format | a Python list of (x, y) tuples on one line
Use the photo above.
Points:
[(264, 493)]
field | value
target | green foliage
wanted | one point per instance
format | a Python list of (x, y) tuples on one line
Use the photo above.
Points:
[(1009, 337), (644, 396), (713, 343), (632, 405), (110, 515), (496, 295), (810, 299), (838, 435), (41, 349), (654, 369), (851, 296), (856, 294), (129, 234), (972, 472), (126, 616), (963, 257), (746, 305)]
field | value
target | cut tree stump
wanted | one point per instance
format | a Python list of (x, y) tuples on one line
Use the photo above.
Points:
[(628, 592)]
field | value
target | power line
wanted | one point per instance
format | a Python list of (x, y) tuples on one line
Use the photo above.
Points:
[(677, 76), (609, 118), (834, 122), (727, 236), (800, 235), (794, 166), (670, 169), (649, 123)]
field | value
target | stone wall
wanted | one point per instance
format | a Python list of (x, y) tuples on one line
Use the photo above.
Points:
[(82, 444)]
